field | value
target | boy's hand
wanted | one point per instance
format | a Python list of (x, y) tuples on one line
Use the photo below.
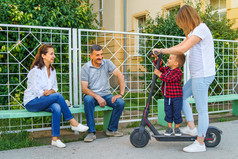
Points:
[(157, 72)]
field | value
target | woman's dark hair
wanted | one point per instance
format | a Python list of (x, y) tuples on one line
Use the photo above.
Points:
[(95, 48), (38, 61)]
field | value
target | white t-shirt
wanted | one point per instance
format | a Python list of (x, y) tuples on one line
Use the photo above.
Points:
[(201, 56), (38, 81)]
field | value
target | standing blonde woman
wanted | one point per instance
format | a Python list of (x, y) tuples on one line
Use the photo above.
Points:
[(41, 95), (199, 42)]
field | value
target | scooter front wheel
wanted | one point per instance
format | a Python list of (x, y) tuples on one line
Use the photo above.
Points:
[(213, 137), (139, 140)]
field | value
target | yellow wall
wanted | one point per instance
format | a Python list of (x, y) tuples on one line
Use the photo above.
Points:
[(232, 12), (113, 11)]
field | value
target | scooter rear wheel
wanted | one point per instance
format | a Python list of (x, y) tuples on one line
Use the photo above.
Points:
[(213, 138), (143, 141)]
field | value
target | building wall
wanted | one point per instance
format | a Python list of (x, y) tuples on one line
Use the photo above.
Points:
[(136, 8), (232, 12), (113, 11)]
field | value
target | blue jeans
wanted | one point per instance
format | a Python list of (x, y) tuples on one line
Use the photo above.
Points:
[(54, 103), (198, 87), (172, 109), (89, 107)]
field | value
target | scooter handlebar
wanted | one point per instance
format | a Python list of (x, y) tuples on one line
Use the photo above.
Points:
[(159, 60)]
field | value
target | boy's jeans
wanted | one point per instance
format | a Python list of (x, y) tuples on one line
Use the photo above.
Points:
[(54, 103), (198, 87), (89, 107)]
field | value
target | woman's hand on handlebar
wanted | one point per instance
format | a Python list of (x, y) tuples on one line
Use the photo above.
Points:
[(156, 52)]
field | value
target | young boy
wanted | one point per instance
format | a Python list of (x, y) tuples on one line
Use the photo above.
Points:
[(171, 77)]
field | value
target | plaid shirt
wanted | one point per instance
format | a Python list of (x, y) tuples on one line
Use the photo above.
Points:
[(171, 82)]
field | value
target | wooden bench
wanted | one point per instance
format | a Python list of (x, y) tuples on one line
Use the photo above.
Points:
[(211, 99), (23, 113)]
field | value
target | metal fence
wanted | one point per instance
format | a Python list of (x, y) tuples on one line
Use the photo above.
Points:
[(18, 47), (128, 51)]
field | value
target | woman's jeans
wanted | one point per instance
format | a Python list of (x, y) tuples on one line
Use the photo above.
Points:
[(54, 103), (198, 87), (89, 107)]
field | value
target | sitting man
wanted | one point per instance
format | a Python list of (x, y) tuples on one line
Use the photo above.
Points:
[(96, 87)]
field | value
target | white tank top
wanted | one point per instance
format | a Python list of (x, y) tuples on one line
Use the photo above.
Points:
[(201, 56)]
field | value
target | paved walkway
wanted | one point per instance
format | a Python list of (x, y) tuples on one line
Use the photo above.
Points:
[(121, 148)]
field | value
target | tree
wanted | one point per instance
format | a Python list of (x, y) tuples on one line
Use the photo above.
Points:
[(60, 13)]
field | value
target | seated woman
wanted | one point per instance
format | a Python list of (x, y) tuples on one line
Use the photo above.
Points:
[(41, 95)]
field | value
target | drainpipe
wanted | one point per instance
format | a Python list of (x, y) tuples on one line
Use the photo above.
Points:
[(125, 63)]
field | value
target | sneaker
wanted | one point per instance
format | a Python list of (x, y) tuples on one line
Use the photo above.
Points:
[(190, 131), (177, 132), (58, 143), (90, 137), (168, 132), (80, 128), (114, 133), (195, 147)]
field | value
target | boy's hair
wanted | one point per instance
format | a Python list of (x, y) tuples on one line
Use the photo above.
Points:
[(181, 59)]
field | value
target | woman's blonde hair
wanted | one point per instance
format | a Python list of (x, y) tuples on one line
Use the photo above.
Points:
[(188, 19)]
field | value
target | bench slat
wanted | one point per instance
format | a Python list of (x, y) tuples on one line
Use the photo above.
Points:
[(211, 99), (23, 113), (221, 98)]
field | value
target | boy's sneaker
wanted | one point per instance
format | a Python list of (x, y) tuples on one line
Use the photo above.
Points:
[(168, 132), (195, 147), (177, 132), (190, 131)]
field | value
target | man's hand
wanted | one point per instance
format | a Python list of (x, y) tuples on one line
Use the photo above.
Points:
[(115, 98), (157, 72), (101, 101)]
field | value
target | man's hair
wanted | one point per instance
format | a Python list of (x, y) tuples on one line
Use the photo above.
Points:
[(181, 59), (95, 48)]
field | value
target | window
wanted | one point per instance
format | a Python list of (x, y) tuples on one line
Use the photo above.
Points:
[(172, 10), (141, 22), (140, 40), (219, 6), (100, 13)]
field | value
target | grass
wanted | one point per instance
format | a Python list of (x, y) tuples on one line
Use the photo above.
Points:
[(16, 140), (133, 125)]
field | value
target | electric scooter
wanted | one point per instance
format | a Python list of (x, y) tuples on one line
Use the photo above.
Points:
[(141, 136)]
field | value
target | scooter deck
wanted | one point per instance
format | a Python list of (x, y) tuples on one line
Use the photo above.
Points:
[(162, 137)]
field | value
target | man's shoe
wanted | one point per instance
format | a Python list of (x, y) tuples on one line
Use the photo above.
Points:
[(114, 133), (177, 132), (168, 132), (80, 128), (58, 143), (189, 131), (90, 137), (195, 147)]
